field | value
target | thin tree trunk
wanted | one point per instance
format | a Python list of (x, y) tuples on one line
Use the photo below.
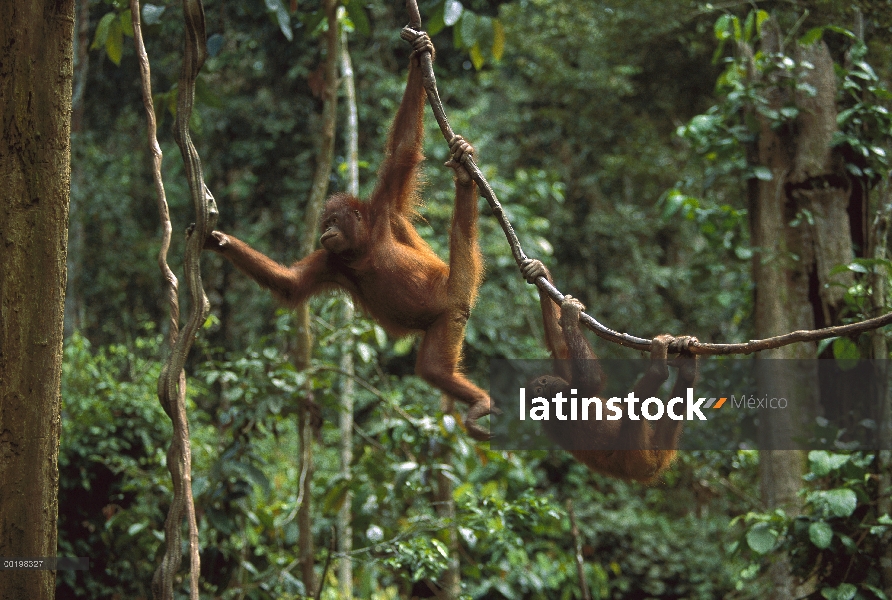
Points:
[(304, 513), (580, 562), (345, 514), (880, 354), (445, 505), (35, 99), (304, 345)]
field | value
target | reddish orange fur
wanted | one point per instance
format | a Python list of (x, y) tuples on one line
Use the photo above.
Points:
[(652, 449), (372, 251)]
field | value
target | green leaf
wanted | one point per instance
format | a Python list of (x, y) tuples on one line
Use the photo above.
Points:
[(403, 346), (743, 252), (820, 534), (749, 26), (101, 35), (456, 38), (845, 349), (127, 23), (846, 591), (435, 22), (822, 462), (114, 43), (365, 352), (717, 55), (136, 528), (841, 502), (498, 39), (811, 36), (723, 28), (875, 590), (490, 489), (256, 475), (380, 335), (468, 27), (738, 30), (761, 538), (441, 548), (476, 56), (841, 30), (465, 488), (360, 19), (848, 543), (761, 17)]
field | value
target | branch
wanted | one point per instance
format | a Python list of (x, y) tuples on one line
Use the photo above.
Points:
[(602, 331)]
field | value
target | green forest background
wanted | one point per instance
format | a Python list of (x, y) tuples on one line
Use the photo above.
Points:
[(617, 136)]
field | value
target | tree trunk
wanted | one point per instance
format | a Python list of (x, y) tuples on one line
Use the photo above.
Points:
[(345, 514), (304, 346), (880, 354), (35, 104), (800, 231), (445, 504)]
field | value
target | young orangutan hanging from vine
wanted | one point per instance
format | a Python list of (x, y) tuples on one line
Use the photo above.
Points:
[(627, 448), (371, 250)]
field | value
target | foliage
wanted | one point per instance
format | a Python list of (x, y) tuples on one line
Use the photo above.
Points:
[(113, 440), (246, 482), (836, 545), (865, 122)]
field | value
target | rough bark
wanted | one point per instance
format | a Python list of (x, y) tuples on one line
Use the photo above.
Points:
[(799, 230), (35, 112)]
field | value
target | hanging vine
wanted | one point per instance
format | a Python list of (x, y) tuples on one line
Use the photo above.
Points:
[(172, 381)]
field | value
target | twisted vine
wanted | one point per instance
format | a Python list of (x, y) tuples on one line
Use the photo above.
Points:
[(172, 381)]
